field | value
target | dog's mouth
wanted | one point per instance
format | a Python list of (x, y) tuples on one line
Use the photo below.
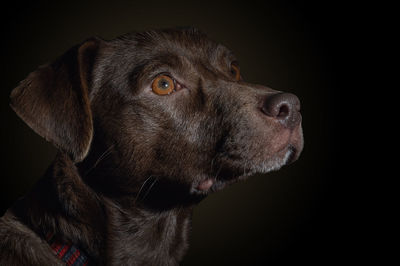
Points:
[(211, 184), (291, 155)]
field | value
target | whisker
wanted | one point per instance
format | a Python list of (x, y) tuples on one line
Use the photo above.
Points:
[(101, 157), (141, 188), (212, 162), (151, 186), (104, 155), (217, 173)]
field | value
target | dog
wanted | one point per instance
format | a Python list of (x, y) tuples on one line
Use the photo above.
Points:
[(146, 125)]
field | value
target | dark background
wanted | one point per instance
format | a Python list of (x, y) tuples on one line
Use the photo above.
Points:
[(300, 214)]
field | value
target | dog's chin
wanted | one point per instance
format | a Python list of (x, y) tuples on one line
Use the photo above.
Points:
[(287, 156), (207, 185)]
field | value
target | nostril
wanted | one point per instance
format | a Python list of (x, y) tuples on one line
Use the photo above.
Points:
[(278, 105), (284, 107), (283, 111)]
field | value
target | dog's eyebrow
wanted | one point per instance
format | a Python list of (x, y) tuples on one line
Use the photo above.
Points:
[(227, 56), (220, 56), (155, 67), (148, 70)]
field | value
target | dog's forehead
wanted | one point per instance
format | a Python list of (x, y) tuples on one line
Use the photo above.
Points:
[(188, 43)]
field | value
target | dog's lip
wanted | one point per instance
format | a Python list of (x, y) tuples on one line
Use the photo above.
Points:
[(291, 155), (205, 185)]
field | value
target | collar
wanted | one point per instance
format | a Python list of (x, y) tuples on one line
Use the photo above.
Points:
[(68, 253)]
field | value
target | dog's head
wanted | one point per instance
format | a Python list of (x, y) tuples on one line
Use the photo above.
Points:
[(161, 113)]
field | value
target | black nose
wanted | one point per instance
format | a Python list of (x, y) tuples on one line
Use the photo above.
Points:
[(284, 107)]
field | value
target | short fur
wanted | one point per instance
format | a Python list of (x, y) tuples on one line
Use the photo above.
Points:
[(132, 164)]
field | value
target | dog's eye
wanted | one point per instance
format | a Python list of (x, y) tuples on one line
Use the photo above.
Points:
[(235, 71), (163, 85)]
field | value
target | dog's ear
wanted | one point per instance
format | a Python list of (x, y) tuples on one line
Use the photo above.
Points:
[(54, 99)]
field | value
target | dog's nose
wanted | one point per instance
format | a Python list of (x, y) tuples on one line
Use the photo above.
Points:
[(284, 107)]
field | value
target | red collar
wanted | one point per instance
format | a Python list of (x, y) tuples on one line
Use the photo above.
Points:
[(68, 253)]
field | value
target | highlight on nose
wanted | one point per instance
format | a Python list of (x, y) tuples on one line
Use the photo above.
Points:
[(285, 107)]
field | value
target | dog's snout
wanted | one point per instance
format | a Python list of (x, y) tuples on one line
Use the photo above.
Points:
[(284, 107)]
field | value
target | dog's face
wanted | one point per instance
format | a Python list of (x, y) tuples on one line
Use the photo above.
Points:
[(170, 112)]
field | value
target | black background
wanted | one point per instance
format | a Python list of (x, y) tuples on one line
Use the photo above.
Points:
[(301, 214)]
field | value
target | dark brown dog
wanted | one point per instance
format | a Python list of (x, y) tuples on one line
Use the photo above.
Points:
[(146, 126)]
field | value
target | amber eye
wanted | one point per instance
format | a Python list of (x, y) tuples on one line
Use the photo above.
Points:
[(235, 72), (163, 85)]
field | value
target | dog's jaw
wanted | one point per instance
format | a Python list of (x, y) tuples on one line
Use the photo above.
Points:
[(285, 156)]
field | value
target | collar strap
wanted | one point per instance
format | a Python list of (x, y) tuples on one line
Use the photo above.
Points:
[(68, 253)]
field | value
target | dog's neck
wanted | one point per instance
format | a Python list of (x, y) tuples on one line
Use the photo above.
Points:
[(110, 231), (141, 237)]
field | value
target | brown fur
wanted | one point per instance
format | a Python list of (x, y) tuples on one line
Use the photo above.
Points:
[(132, 164)]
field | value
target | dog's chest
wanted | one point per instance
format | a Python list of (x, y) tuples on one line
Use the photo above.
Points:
[(149, 240)]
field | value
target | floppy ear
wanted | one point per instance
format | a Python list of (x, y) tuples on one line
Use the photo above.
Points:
[(54, 100)]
